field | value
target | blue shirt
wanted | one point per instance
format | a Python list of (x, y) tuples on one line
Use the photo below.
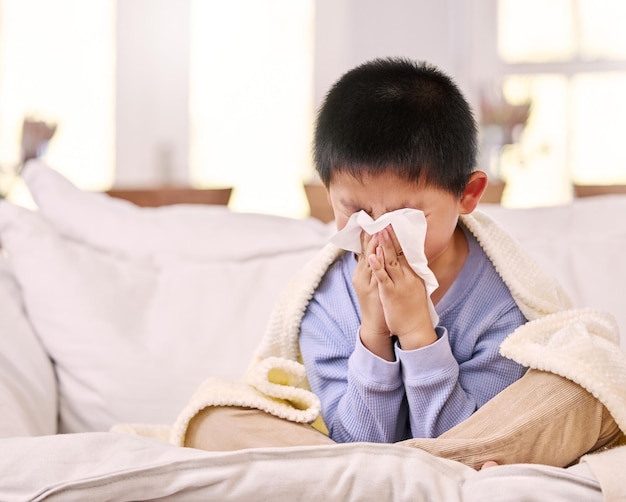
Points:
[(426, 391)]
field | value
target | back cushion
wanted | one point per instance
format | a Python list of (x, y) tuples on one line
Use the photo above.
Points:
[(137, 314), (581, 244)]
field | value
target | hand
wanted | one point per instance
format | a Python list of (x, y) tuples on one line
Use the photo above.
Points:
[(402, 293), (374, 333)]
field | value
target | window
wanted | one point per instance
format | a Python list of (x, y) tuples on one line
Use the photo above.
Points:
[(250, 85), (567, 60), (251, 101), (57, 64)]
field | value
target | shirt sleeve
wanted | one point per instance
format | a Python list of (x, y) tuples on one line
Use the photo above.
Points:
[(435, 397), (361, 393), (442, 392)]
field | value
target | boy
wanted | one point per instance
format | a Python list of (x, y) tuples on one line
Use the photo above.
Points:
[(396, 134)]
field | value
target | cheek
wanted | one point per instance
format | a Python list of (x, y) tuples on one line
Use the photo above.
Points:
[(437, 238), (432, 246)]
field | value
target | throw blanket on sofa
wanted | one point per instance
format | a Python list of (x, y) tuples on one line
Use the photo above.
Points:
[(581, 345)]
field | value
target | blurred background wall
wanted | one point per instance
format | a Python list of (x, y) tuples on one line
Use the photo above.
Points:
[(224, 93)]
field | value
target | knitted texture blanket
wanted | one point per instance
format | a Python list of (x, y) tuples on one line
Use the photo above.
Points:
[(581, 345)]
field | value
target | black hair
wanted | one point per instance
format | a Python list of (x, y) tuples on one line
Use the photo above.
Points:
[(397, 115)]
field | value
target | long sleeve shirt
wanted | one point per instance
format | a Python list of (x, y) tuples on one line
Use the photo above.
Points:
[(426, 391)]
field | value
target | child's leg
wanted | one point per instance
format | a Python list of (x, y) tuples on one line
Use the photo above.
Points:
[(225, 428), (542, 418)]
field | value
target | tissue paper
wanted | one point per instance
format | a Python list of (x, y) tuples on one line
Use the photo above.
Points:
[(409, 226)]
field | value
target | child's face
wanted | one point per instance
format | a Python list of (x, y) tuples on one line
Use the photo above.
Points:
[(381, 194)]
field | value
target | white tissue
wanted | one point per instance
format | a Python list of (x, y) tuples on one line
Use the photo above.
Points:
[(409, 226)]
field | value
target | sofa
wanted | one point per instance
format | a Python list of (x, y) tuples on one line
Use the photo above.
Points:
[(114, 314)]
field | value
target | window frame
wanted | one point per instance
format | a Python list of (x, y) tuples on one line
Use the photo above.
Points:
[(486, 67)]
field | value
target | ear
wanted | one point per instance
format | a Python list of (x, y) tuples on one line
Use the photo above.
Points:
[(473, 192)]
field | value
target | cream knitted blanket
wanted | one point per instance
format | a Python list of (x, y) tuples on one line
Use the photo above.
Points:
[(581, 345)]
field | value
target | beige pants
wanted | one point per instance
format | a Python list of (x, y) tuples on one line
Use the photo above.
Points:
[(542, 418)]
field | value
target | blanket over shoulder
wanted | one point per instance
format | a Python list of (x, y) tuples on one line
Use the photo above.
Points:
[(581, 345)]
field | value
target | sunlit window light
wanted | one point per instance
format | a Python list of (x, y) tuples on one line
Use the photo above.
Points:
[(602, 29), (598, 111), (57, 63), (575, 129), (536, 168), (535, 30), (251, 101)]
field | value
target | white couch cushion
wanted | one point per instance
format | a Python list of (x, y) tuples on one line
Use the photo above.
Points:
[(128, 467), (134, 319), (196, 232), (581, 244), (28, 395)]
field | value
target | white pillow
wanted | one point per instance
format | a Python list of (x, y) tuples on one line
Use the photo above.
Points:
[(28, 395), (581, 244), (135, 325), (197, 232)]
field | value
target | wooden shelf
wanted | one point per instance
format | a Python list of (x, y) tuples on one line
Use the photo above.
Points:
[(166, 196), (319, 206), (593, 190), (493, 192)]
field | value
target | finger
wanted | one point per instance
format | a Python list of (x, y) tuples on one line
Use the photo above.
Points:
[(363, 237), (363, 277), (394, 239), (376, 261), (389, 249), (372, 243), (363, 264), (366, 240)]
